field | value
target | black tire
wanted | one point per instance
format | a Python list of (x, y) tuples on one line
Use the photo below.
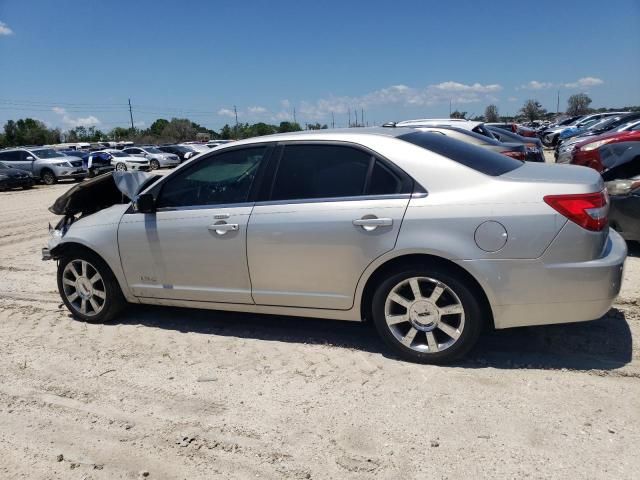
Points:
[(114, 301), (121, 167), (474, 317), (154, 164), (48, 177)]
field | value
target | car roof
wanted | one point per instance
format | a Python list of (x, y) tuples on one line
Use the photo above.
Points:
[(456, 122)]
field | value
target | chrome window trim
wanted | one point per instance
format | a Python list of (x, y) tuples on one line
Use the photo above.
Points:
[(352, 198)]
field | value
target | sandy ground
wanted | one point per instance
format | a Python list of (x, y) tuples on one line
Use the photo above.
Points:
[(186, 394)]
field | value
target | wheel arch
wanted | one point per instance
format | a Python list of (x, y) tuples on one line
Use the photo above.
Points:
[(411, 260), (62, 248)]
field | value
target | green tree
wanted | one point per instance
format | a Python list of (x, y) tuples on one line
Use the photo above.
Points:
[(457, 114), (532, 110), (316, 126), (578, 104), (289, 127), (491, 113), (28, 131), (158, 126)]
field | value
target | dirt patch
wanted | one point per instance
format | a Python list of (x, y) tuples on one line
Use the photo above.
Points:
[(171, 393)]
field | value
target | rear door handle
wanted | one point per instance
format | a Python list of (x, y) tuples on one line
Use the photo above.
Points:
[(370, 224), (222, 228)]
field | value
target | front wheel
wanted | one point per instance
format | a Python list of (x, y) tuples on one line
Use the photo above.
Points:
[(89, 288), (154, 164), (48, 177), (121, 167), (427, 315)]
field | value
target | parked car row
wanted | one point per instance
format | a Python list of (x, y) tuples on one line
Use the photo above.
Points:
[(76, 161)]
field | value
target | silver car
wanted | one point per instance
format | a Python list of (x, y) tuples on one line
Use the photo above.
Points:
[(44, 163), (430, 238), (157, 158)]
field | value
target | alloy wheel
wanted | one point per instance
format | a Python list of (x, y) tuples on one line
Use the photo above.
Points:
[(424, 314), (121, 167), (84, 287), (154, 164)]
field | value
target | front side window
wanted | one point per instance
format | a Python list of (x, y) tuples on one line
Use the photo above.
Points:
[(320, 171), (221, 179)]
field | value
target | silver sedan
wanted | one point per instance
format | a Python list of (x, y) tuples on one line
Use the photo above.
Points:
[(429, 238)]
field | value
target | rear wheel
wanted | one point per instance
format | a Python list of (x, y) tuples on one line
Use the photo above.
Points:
[(427, 315), (88, 287), (48, 177)]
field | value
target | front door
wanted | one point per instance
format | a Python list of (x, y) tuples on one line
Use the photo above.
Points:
[(332, 210), (194, 246)]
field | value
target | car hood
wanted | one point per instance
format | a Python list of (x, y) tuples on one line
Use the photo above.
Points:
[(101, 192)]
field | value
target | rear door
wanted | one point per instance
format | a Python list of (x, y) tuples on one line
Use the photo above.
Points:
[(330, 210), (17, 159)]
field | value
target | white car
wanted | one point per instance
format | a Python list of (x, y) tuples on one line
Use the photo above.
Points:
[(477, 127), (123, 162)]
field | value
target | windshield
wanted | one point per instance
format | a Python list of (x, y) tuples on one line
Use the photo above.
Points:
[(118, 154), (183, 149), (152, 150), (46, 153)]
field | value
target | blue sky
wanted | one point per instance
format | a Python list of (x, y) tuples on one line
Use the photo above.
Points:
[(74, 62)]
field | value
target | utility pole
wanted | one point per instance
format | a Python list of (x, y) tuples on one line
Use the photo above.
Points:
[(235, 110), (349, 117), (333, 121), (449, 108), (131, 114), (558, 104), (294, 115), (362, 117)]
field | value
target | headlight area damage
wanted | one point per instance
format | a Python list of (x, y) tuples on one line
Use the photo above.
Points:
[(93, 195)]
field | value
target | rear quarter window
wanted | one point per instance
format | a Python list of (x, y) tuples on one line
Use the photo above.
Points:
[(478, 158)]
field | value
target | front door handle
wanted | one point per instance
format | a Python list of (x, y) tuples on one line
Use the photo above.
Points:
[(221, 228), (370, 224)]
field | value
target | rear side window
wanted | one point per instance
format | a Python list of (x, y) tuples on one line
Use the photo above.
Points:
[(383, 181), (478, 158), (320, 171), (14, 156)]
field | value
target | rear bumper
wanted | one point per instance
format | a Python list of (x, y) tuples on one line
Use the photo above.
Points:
[(532, 292)]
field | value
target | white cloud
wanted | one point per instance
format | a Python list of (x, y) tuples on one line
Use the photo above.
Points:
[(140, 124), (90, 121), (5, 30), (535, 85), (285, 103), (257, 110), (585, 82), (512, 99), (225, 112), (458, 93)]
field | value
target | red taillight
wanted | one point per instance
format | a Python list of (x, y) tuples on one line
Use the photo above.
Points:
[(514, 154), (589, 210)]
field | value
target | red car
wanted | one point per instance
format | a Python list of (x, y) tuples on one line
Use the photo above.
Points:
[(607, 151)]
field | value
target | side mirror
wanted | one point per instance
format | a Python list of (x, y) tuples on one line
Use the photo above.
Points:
[(30, 158), (145, 203)]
